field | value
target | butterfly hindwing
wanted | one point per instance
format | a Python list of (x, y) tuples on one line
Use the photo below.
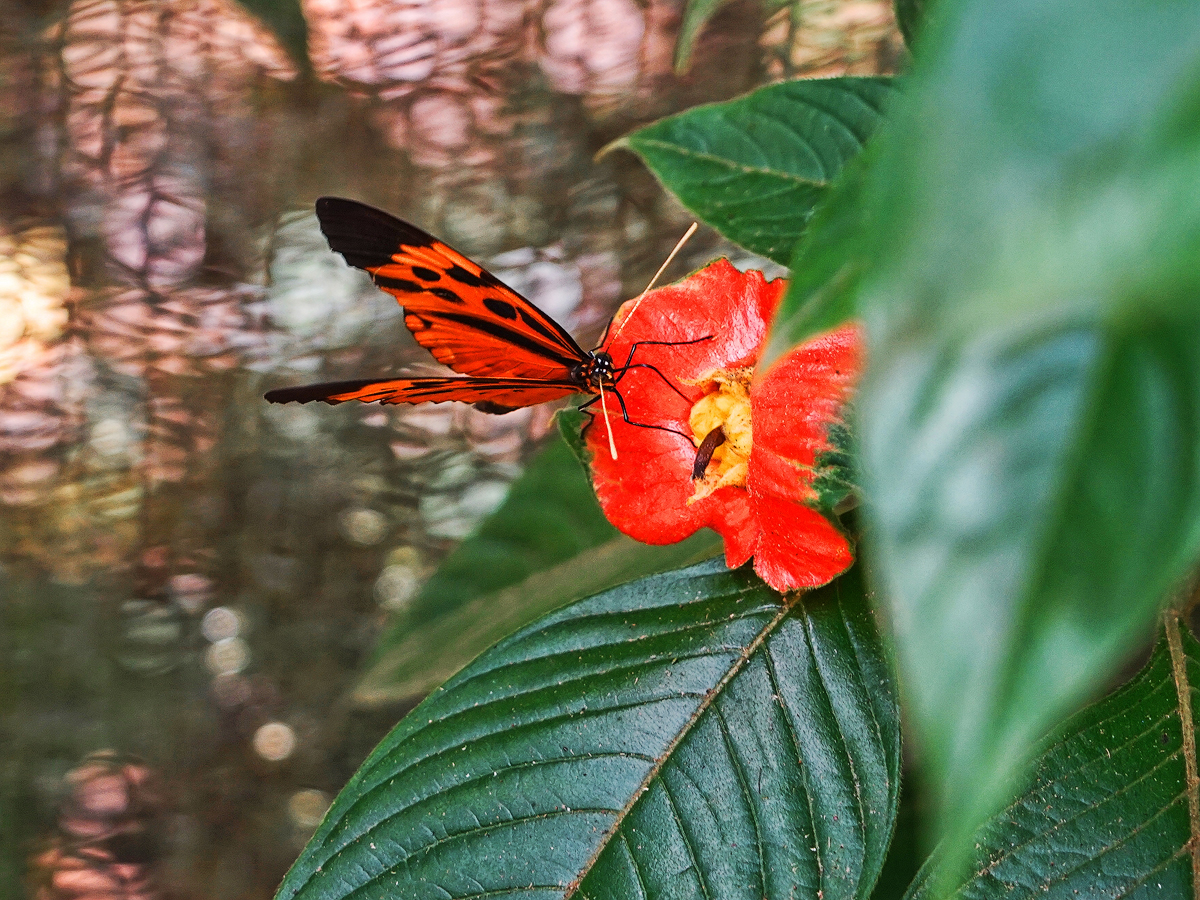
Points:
[(467, 318), (496, 394)]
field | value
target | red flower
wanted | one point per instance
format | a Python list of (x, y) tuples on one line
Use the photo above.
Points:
[(758, 489)]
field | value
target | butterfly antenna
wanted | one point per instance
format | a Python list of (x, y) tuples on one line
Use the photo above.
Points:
[(612, 445), (670, 256)]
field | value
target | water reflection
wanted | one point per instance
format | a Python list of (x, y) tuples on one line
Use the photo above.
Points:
[(274, 742), (148, 123), (188, 573), (33, 291), (827, 38), (107, 843)]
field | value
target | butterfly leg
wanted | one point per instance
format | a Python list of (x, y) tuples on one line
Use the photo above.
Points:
[(630, 364), (633, 347), (629, 421), (621, 371)]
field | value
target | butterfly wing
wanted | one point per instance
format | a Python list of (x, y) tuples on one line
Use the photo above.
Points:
[(492, 394), (464, 315)]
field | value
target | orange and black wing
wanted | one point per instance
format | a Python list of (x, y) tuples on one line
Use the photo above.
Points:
[(493, 394), (468, 318)]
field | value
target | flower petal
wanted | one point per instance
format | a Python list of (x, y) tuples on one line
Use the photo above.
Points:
[(799, 547), (732, 309), (797, 399), (645, 491)]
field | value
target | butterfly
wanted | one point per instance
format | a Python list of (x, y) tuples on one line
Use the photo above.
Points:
[(510, 354)]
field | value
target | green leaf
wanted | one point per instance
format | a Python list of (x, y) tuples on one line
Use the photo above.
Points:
[(906, 853), (753, 168), (1107, 813), (909, 16), (695, 16), (1038, 497), (571, 421), (547, 544), (689, 734), (1030, 422), (834, 482), (827, 266)]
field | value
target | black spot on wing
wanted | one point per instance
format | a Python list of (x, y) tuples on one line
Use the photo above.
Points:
[(388, 283), (539, 326), (462, 276), (494, 409), (445, 294), (426, 274), (501, 308)]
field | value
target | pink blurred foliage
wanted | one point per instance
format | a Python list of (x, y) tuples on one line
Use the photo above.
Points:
[(106, 842)]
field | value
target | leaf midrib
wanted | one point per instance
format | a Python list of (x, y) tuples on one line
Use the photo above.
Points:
[(751, 648), (1184, 696), (742, 168)]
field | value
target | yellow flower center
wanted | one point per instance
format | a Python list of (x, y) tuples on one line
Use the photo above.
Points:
[(725, 405)]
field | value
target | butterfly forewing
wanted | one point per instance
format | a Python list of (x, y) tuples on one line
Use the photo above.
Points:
[(467, 318), (509, 393)]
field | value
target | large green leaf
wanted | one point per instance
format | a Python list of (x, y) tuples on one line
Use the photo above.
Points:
[(690, 734), (1030, 423), (547, 544), (753, 168), (1108, 810)]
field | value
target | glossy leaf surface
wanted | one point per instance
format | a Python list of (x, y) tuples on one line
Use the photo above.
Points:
[(754, 168), (686, 734), (1030, 422), (1107, 812)]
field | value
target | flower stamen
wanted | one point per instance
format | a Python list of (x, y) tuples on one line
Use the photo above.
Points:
[(707, 448), (724, 408)]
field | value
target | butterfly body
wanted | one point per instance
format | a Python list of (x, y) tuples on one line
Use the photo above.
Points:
[(510, 354)]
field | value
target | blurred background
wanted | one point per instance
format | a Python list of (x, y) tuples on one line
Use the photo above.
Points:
[(190, 578)]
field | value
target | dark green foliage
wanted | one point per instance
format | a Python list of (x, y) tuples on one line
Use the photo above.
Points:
[(754, 168), (690, 731), (1106, 813), (1030, 421)]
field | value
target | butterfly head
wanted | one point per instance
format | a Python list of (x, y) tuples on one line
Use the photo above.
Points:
[(596, 371)]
